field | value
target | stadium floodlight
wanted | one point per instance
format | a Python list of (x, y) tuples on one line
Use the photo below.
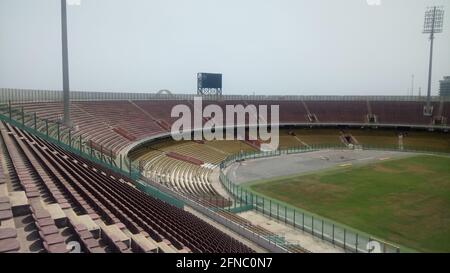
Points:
[(434, 22)]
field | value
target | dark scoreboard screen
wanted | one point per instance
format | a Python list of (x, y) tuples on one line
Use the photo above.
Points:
[(209, 81)]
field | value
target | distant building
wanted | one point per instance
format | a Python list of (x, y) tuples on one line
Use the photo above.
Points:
[(445, 87)]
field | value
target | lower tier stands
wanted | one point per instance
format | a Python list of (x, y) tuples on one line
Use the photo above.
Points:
[(67, 198), (182, 175)]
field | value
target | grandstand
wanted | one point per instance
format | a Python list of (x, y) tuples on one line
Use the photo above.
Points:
[(60, 185)]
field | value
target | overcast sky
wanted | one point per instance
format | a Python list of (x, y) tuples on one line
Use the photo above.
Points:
[(304, 47)]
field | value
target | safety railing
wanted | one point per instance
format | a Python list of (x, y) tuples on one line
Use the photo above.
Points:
[(31, 95), (55, 132)]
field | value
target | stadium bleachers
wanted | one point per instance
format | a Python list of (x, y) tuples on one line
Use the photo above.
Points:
[(116, 124), (64, 197), (87, 193), (185, 176), (335, 112), (446, 111), (400, 112)]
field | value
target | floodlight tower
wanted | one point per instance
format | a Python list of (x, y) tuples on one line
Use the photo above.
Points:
[(65, 59), (434, 18)]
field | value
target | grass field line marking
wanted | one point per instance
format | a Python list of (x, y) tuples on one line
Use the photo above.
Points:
[(366, 158), (302, 142)]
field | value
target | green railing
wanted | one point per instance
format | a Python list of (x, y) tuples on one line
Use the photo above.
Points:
[(152, 191), (58, 134), (338, 234), (55, 132)]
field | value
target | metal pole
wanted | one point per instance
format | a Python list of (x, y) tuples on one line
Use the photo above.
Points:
[(428, 107), (57, 127), (270, 207), (65, 63), (333, 235), (345, 235), (303, 221), (294, 218), (101, 156), (322, 229)]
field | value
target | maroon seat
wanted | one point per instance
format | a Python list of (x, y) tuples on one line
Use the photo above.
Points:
[(85, 234), (49, 230), (45, 222), (56, 248), (7, 233), (5, 215), (52, 239), (91, 243), (9, 245), (96, 250), (41, 214), (79, 227)]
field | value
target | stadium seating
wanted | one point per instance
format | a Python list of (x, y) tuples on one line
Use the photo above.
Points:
[(335, 111), (446, 111), (116, 124), (400, 112), (187, 166), (47, 172), (106, 213)]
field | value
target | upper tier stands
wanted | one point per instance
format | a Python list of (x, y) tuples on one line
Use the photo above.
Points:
[(390, 112), (339, 112), (446, 111), (114, 124), (86, 195)]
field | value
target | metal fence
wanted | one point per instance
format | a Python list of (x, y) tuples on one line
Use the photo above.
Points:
[(31, 95), (58, 134), (55, 132), (348, 238)]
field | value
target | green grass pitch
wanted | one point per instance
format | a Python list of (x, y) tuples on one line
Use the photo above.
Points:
[(404, 201)]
